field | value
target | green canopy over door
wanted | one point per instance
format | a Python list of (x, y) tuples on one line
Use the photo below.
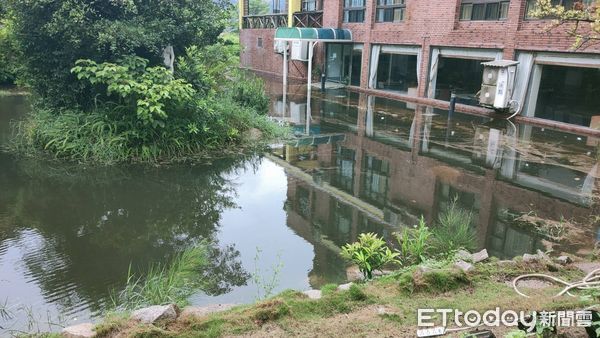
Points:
[(313, 34)]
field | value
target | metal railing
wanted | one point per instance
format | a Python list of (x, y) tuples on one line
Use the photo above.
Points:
[(312, 19), (265, 21)]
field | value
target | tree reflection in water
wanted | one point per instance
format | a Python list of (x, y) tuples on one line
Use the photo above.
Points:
[(79, 230)]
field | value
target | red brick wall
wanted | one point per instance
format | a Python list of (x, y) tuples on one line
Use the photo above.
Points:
[(427, 23)]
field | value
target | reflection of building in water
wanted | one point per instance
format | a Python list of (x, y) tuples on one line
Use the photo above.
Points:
[(405, 163)]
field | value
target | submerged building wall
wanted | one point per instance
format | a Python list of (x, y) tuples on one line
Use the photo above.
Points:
[(446, 51)]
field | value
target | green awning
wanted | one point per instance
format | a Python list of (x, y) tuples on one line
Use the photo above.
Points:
[(313, 34)]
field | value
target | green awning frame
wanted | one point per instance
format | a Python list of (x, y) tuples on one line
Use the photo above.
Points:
[(313, 34)]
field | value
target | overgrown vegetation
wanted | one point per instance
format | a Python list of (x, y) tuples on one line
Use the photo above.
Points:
[(107, 97), (454, 230)]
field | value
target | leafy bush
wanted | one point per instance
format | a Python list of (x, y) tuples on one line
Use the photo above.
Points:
[(369, 253), (414, 243), (454, 230), (9, 67), (249, 91), (141, 114)]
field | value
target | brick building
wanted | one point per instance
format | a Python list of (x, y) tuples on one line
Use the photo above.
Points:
[(430, 49)]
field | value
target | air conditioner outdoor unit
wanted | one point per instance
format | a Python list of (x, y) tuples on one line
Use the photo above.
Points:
[(498, 83), (279, 46), (300, 50)]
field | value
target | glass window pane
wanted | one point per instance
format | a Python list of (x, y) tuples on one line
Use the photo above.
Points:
[(478, 12), (492, 11), (466, 11), (504, 10)]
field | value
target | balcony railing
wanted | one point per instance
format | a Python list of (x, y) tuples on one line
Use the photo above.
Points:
[(312, 19), (265, 21)]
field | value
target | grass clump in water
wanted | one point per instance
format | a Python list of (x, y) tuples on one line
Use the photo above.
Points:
[(165, 283)]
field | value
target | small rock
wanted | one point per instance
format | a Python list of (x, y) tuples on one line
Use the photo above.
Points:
[(463, 255), (480, 256), (424, 269), (542, 255), (156, 313), (464, 266), (194, 311), (529, 258), (563, 260), (506, 262), (345, 287), (83, 330), (379, 273), (313, 294)]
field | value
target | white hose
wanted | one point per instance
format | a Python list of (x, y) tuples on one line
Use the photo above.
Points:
[(590, 281)]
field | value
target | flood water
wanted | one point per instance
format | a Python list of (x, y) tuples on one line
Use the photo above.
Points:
[(68, 234)]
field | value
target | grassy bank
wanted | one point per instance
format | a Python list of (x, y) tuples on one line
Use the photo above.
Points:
[(384, 307)]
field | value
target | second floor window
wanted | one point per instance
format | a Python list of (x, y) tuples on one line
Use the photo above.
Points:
[(354, 10), (483, 10), (567, 4), (390, 10), (309, 5)]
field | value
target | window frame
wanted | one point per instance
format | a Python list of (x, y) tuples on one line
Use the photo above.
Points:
[(304, 5), (500, 14), (354, 9), (393, 7)]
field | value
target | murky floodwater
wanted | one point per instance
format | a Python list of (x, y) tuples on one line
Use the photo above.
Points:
[(68, 235)]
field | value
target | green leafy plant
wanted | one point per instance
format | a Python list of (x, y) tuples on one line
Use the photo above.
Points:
[(266, 284), (415, 243), (370, 253), (516, 334)]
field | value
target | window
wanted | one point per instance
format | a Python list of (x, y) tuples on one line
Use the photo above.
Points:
[(354, 10), (277, 6), (309, 5), (397, 72), (567, 4), (491, 10), (259, 43), (390, 10)]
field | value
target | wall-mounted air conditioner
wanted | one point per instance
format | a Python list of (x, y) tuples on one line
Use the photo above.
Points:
[(498, 83), (279, 46), (300, 50)]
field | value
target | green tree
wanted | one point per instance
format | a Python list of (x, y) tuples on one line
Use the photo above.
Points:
[(258, 7), (581, 21), (53, 34)]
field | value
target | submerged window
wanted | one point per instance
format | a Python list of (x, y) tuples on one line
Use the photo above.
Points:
[(390, 10), (354, 10), (376, 174), (567, 4), (569, 94), (483, 10), (344, 63), (461, 76), (397, 72)]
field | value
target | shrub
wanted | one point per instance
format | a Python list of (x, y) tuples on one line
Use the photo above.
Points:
[(369, 253), (414, 243), (249, 91)]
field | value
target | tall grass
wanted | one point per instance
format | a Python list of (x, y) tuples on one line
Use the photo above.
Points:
[(414, 243), (164, 283), (454, 230)]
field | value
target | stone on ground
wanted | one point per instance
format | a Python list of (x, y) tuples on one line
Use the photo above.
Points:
[(353, 274), (201, 311), (563, 260), (529, 258), (156, 313), (480, 256), (83, 330), (463, 255), (345, 287), (464, 266), (313, 294)]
